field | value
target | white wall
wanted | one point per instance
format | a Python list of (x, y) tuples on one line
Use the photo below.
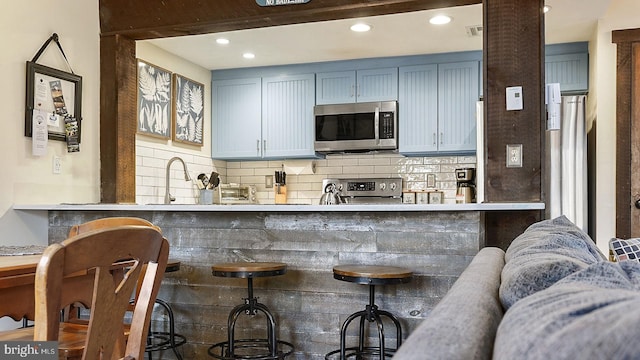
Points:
[(622, 14), (26, 178)]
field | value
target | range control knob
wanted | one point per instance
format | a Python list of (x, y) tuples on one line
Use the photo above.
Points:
[(393, 186), (383, 186)]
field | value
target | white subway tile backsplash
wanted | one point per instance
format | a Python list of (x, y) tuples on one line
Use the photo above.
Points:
[(301, 189), (374, 161), (355, 170)]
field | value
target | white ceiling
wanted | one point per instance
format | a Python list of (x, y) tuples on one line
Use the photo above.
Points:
[(390, 35)]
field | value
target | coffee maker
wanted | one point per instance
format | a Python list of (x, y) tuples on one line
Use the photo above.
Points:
[(466, 187)]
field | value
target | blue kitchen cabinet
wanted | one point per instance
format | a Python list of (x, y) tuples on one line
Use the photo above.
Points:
[(263, 118), (341, 87), (418, 109), (458, 93), (437, 105), (236, 118), (287, 116), (570, 70)]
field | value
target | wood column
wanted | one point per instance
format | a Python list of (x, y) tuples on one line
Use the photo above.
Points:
[(118, 106), (513, 55), (627, 131)]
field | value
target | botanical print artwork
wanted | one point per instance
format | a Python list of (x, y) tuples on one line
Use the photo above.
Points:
[(189, 112), (154, 100)]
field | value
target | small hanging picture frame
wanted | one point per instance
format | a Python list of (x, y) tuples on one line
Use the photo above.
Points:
[(55, 95)]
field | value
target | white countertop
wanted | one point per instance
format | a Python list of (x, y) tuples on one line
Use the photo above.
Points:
[(288, 208)]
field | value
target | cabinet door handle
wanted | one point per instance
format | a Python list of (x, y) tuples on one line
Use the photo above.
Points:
[(434, 139), (264, 146), (441, 137), (353, 90), (258, 147)]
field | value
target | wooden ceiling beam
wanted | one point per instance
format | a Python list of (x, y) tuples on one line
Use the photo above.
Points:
[(138, 20)]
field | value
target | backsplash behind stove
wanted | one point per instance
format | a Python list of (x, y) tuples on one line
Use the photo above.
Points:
[(307, 189)]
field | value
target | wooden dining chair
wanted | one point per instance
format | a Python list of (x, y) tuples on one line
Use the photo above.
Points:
[(94, 252), (109, 222)]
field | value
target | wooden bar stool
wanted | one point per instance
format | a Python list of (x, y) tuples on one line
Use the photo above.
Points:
[(269, 348), (164, 340), (371, 275)]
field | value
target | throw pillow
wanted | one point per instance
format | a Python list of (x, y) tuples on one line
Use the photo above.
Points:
[(625, 249)]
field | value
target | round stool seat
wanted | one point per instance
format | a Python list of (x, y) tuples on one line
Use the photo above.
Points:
[(372, 274), (172, 265), (249, 269)]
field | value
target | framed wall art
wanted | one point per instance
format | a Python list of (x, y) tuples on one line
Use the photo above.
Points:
[(54, 97), (154, 100), (188, 116)]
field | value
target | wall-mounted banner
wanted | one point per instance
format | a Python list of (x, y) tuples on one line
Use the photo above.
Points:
[(280, 2)]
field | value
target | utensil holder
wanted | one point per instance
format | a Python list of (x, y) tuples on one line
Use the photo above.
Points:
[(280, 192), (206, 197)]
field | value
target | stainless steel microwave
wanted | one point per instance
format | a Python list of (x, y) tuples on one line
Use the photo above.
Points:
[(356, 127)]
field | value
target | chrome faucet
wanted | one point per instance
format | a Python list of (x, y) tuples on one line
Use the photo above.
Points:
[(167, 196)]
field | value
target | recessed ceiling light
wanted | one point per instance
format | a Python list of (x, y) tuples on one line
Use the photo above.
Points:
[(546, 9), (248, 55), (440, 20), (222, 41), (360, 27)]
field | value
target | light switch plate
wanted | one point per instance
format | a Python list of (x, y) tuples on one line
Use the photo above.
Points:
[(514, 155), (57, 164), (514, 98)]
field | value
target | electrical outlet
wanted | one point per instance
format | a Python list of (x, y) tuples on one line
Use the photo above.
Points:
[(431, 180), (57, 164), (268, 181), (514, 155)]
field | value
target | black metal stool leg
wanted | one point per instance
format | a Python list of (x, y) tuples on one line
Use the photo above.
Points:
[(171, 336), (396, 323), (343, 331), (370, 314), (251, 306)]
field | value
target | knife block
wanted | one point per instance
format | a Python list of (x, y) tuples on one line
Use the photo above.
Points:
[(280, 193)]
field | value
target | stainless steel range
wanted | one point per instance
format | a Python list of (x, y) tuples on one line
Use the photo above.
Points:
[(365, 190)]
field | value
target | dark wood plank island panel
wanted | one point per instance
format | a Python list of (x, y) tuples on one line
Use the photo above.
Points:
[(308, 303)]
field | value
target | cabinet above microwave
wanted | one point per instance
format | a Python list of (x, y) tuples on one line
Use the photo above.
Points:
[(341, 87)]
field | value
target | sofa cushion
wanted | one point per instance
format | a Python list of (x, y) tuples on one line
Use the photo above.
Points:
[(592, 314), (545, 253), (464, 323)]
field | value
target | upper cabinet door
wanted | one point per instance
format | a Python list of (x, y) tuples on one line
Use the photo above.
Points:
[(418, 109), (343, 87), (570, 70), (336, 87), (287, 116), (377, 85), (236, 118), (458, 92)]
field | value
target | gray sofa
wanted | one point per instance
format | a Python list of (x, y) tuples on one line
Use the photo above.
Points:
[(552, 295)]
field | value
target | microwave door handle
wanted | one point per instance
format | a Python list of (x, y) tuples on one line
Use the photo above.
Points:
[(376, 120)]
